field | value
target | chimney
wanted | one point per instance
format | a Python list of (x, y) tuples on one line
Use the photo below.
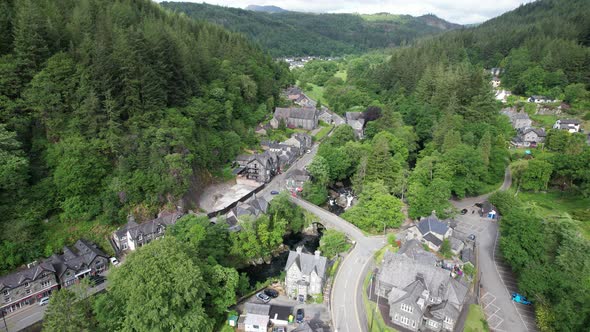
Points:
[(299, 249), (317, 254)]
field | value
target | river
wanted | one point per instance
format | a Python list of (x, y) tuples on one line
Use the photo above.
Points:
[(261, 272)]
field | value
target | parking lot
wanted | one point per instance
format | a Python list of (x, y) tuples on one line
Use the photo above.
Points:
[(316, 315), (497, 280)]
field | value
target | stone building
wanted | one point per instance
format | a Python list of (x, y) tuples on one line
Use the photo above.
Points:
[(305, 274)]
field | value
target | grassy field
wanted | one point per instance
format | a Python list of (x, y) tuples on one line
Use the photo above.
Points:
[(545, 121), (475, 320), (556, 205)]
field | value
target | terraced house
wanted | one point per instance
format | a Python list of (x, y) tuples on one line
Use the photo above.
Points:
[(134, 235), (25, 287)]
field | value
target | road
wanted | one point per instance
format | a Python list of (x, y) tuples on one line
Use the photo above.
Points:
[(33, 313), (497, 281)]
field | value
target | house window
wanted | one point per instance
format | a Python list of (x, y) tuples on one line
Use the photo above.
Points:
[(255, 326), (46, 283), (160, 229), (140, 237), (27, 285), (27, 291), (413, 323), (6, 292), (124, 246), (432, 323), (404, 320), (448, 320), (396, 318), (407, 308)]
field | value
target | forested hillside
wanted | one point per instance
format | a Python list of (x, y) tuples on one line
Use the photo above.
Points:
[(298, 34), (542, 47), (111, 107)]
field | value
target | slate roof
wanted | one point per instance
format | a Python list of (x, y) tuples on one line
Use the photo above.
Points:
[(17, 278), (431, 224), (151, 227), (412, 293), (256, 308), (467, 255), (354, 116), (399, 271), (455, 243), (539, 131), (569, 121), (307, 113), (307, 263), (80, 258), (433, 239), (413, 249)]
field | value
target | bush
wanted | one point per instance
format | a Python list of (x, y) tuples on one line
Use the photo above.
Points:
[(333, 242), (315, 193)]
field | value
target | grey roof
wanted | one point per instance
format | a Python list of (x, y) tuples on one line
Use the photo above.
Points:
[(121, 232), (260, 204), (151, 226), (519, 115), (455, 243), (399, 271), (569, 121), (414, 250), (280, 312), (431, 224), (308, 113), (467, 255), (411, 292), (433, 239), (351, 116), (539, 97), (256, 308), (303, 327), (307, 263), (487, 207), (445, 310), (539, 131), (79, 258), (17, 278)]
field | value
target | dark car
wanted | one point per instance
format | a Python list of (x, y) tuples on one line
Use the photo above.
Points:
[(274, 192), (271, 292), (299, 316), (96, 280), (471, 237), (464, 211), (263, 297)]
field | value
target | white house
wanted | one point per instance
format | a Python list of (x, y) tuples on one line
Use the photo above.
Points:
[(255, 318), (571, 125), (305, 274), (134, 235)]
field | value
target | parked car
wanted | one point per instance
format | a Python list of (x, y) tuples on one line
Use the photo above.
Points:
[(114, 261), (464, 211), (274, 192), (471, 237), (271, 292), (279, 329), (299, 316), (518, 298), (96, 280), (263, 297), (44, 301)]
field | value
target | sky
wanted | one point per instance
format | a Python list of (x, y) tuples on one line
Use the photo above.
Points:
[(456, 11)]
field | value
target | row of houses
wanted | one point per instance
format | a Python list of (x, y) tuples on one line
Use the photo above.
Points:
[(27, 286), (262, 167)]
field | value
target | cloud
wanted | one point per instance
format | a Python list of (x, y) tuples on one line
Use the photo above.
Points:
[(457, 11)]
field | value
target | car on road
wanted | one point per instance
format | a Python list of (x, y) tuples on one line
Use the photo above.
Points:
[(263, 297), (464, 211), (274, 192), (271, 292), (44, 301), (471, 237), (299, 316), (114, 261), (518, 298)]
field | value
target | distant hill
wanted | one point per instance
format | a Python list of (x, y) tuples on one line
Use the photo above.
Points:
[(288, 33), (266, 9)]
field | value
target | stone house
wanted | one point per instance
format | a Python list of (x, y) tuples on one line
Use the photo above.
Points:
[(529, 137), (27, 286), (357, 122), (571, 125), (134, 235), (495, 82), (295, 179), (519, 120), (76, 263), (430, 231), (261, 167), (296, 117), (420, 296), (305, 274)]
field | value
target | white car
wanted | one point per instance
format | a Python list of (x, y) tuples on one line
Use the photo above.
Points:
[(44, 301), (114, 261)]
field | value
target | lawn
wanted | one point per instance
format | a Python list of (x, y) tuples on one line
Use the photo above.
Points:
[(476, 321), (322, 133), (556, 205), (374, 317), (545, 121)]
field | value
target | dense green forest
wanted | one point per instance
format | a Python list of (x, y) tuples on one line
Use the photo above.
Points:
[(112, 107), (298, 34), (435, 132)]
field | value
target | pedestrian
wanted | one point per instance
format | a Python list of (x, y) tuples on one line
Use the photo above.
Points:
[(472, 211)]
